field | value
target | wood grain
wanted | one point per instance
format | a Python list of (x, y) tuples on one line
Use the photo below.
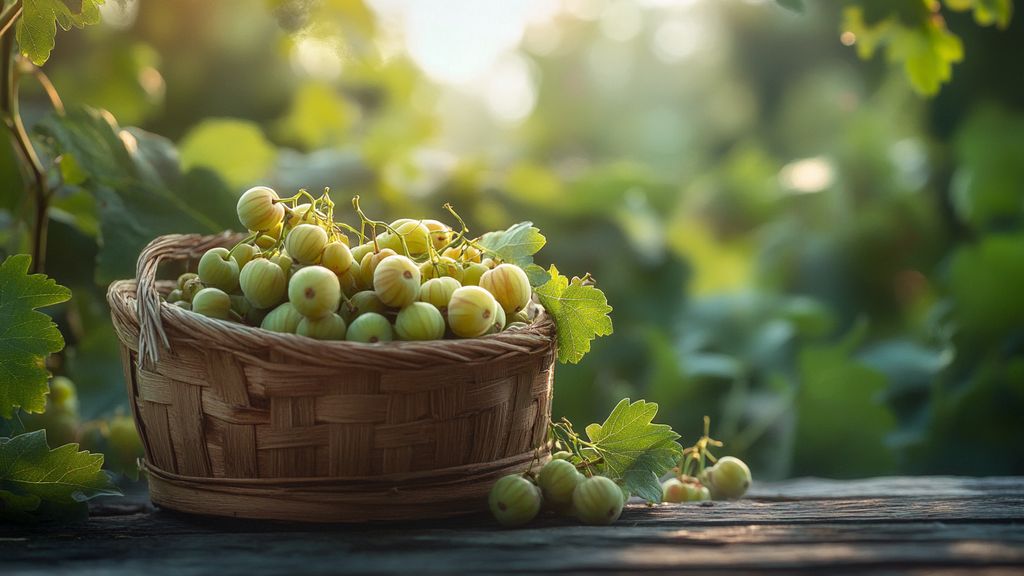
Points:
[(935, 525)]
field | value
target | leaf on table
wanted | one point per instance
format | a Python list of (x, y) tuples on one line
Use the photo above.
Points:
[(516, 245), (27, 336), (580, 313), (31, 475), (634, 450), (37, 28)]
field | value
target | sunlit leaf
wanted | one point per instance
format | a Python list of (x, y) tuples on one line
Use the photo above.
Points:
[(319, 116), (516, 245), (37, 27), (580, 313), (633, 450), (237, 150)]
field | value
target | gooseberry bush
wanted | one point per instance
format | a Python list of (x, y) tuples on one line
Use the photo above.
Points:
[(301, 271)]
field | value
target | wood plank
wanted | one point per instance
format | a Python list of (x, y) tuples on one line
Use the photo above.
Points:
[(880, 526)]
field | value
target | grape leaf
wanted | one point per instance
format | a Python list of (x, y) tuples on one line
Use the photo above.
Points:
[(26, 335), (516, 245), (580, 313), (37, 28), (633, 450), (31, 474)]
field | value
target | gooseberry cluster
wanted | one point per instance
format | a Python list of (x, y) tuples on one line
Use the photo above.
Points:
[(728, 478), (516, 499), (297, 272)]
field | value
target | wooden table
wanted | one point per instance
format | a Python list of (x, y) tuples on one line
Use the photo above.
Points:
[(901, 525)]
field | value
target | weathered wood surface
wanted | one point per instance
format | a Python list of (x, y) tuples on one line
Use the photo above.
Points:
[(934, 525)]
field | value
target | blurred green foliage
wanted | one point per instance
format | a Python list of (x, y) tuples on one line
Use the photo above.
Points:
[(793, 240)]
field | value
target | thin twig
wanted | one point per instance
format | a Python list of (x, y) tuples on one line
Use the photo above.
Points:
[(45, 83), (10, 16), (26, 152)]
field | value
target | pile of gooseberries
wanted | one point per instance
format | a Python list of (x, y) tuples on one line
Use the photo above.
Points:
[(560, 487), (728, 478), (298, 272)]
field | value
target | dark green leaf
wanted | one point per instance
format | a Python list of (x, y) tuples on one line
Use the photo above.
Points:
[(27, 336), (834, 383), (137, 185), (63, 478)]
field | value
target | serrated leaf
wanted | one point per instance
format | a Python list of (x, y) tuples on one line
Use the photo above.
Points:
[(580, 313), (26, 335), (633, 449), (516, 245), (62, 478), (37, 28)]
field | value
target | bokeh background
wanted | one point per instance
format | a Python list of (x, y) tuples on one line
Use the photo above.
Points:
[(794, 241)]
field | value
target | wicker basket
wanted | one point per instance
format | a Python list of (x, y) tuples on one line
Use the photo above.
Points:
[(238, 421)]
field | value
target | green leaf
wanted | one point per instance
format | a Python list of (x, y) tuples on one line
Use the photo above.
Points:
[(580, 313), (986, 12), (923, 44), (928, 54), (18, 502), (319, 117), (633, 450), (37, 28), (138, 187), (62, 478), (986, 280), (516, 245), (537, 275), (832, 382), (26, 335), (235, 149)]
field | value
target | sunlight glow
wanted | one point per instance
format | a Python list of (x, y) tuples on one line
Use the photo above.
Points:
[(621, 21), (808, 175), (317, 58), (511, 89), (119, 15)]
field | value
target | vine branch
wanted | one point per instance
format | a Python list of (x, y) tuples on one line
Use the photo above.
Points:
[(11, 114)]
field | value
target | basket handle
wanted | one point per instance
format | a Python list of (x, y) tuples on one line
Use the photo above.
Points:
[(152, 338)]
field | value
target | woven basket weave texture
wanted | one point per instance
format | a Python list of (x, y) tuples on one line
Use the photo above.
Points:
[(228, 411)]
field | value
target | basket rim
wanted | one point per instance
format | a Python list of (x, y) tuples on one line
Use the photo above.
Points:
[(125, 289), (123, 298)]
